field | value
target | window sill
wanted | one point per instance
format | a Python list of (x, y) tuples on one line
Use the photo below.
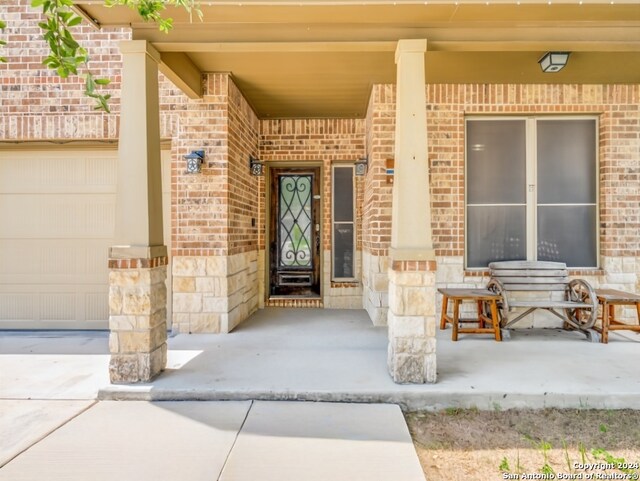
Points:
[(344, 283)]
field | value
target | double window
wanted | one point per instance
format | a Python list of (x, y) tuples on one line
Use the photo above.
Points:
[(531, 190)]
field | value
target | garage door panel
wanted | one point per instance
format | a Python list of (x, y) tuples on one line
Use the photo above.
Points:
[(102, 172), (79, 216), (57, 210), (56, 261), (19, 307), (56, 303), (58, 306), (96, 305), (18, 214), (19, 258), (59, 172), (57, 216)]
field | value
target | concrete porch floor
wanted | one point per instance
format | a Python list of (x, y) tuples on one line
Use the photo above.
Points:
[(334, 355), (337, 355)]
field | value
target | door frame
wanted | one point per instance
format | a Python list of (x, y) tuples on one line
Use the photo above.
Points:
[(267, 219)]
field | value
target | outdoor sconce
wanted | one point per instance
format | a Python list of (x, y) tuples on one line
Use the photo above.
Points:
[(361, 165), (194, 161), (553, 61), (256, 167)]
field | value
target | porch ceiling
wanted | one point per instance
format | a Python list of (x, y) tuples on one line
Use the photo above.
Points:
[(319, 59)]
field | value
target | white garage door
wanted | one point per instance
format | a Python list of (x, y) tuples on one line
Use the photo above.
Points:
[(57, 213)]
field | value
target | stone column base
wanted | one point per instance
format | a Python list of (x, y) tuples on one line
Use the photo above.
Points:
[(412, 324), (137, 319)]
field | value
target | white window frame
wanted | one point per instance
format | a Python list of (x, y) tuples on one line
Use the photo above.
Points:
[(531, 174), (334, 222)]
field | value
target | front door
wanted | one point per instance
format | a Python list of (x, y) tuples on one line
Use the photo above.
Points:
[(295, 232)]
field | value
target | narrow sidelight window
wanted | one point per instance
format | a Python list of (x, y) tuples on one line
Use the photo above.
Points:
[(343, 245)]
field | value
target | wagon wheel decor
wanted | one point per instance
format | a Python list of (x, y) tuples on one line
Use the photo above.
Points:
[(581, 317), (496, 287)]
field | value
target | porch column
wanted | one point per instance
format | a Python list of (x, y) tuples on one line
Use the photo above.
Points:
[(138, 260), (411, 318)]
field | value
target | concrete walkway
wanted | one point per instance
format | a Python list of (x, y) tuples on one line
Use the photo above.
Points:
[(225, 441)]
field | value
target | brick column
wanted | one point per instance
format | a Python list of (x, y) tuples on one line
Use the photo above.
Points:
[(411, 317), (138, 261)]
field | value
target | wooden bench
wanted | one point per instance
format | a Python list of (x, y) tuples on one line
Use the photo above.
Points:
[(578, 309)]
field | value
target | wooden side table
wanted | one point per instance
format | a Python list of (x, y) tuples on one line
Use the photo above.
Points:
[(609, 299), (480, 297)]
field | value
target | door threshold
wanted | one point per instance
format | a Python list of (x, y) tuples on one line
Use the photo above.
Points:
[(295, 301), (296, 296)]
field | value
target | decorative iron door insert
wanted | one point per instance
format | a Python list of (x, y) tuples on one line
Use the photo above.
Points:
[(295, 232)]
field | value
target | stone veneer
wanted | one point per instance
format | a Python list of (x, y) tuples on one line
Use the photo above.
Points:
[(412, 322), (137, 319), (341, 295), (375, 285), (214, 294)]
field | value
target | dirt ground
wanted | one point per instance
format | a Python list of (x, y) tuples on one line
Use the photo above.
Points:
[(473, 445)]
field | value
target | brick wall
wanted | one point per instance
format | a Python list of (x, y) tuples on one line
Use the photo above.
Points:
[(619, 113), (243, 128), (38, 101), (215, 246), (380, 133), (199, 203), (376, 211), (324, 140)]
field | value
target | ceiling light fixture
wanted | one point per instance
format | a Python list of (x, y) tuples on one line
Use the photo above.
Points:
[(552, 62)]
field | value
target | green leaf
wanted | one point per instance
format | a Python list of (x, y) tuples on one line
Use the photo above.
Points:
[(51, 62), (37, 3), (74, 21), (70, 42), (103, 81)]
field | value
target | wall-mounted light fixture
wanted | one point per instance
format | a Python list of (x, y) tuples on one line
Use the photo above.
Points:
[(194, 161), (256, 167), (553, 61), (361, 165)]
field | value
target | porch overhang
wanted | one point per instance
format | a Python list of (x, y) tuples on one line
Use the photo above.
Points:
[(320, 58)]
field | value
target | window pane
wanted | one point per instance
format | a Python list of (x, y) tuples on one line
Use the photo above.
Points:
[(343, 194), (567, 162), (567, 234), (295, 220), (343, 250), (495, 234), (496, 161)]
